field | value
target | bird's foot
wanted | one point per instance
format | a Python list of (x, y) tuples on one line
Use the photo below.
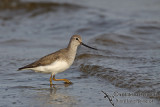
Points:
[(51, 85), (68, 82)]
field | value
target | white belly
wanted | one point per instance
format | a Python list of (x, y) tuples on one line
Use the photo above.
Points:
[(54, 68)]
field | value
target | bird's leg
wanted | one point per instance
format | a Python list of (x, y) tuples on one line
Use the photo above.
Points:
[(50, 80), (65, 80)]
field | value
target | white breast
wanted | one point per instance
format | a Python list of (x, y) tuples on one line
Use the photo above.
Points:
[(54, 68)]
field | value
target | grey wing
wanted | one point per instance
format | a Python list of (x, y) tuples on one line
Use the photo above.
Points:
[(41, 62)]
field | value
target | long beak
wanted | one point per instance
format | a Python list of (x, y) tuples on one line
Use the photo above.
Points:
[(88, 46)]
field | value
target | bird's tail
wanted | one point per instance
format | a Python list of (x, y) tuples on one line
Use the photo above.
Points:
[(20, 69)]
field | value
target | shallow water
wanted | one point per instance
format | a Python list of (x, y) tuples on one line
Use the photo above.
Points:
[(127, 34)]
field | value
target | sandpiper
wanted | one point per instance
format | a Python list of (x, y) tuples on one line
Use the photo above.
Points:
[(58, 61)]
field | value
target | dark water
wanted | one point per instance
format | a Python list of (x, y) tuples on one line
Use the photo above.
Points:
[(127, 32)]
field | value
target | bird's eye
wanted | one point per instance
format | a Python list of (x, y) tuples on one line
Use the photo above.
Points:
[(76, 38)]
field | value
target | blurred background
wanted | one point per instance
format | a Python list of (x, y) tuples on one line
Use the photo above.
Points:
[(128, 32)]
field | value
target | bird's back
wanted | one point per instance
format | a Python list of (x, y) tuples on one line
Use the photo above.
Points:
[(48, 59)]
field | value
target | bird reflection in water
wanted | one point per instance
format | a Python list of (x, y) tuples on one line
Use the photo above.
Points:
[(56, 95)]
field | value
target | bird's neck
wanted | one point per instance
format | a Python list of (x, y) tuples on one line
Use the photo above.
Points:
[(72, 50)]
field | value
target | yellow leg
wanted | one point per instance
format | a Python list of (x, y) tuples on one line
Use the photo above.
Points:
[(65, 80), (50, 80)]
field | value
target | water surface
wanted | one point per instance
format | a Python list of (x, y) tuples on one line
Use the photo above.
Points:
[(126, 32)]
